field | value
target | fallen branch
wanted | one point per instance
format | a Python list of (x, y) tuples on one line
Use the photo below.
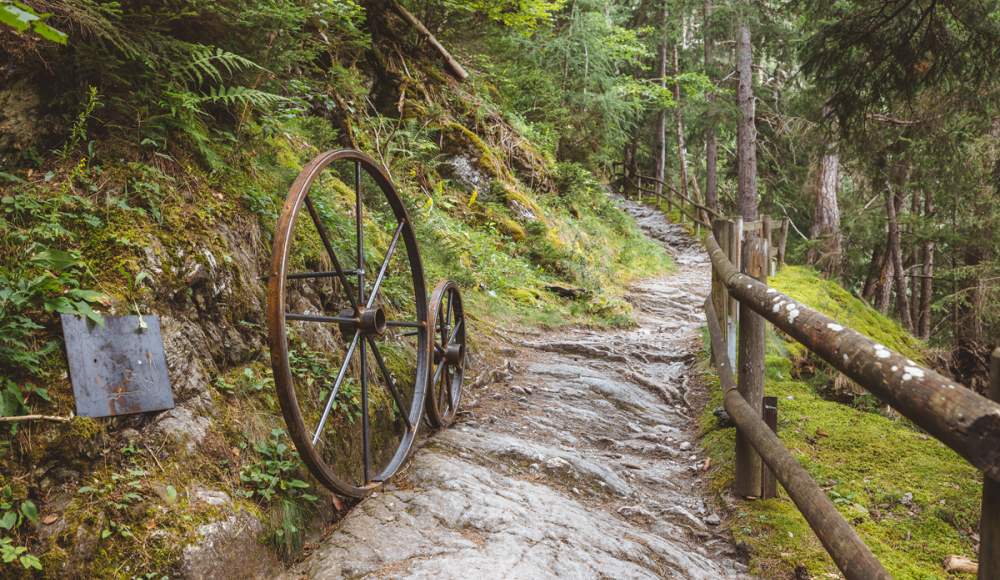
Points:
[(960, 564), (455, 67), (36, 418)]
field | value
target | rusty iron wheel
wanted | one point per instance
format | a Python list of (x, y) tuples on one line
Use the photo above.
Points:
[(448, 354), (356, 433)]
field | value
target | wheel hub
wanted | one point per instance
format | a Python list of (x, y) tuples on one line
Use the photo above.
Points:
[(371, 322)]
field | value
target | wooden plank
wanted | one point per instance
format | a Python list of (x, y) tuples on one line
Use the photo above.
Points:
[(750, 369), (989, 523), (751, 226)]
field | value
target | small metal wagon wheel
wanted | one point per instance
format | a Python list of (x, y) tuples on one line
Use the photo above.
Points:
[(448, 352), (355, 430)]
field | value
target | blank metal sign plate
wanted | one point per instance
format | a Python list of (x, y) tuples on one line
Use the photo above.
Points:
[(118, 369)]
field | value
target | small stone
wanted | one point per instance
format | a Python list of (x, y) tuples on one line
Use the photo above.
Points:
[(685, 446), (713, 520), (907, 498)]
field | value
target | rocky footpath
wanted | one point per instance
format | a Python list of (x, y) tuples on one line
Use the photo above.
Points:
[(576, 462)]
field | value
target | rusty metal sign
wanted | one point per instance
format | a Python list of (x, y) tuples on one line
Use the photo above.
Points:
[(118, 369)]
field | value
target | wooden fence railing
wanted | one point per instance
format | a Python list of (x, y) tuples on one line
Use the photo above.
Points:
[(958, 417)]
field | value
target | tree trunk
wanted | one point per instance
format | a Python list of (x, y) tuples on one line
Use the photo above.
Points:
[(681, 153), (711, 141), (874, 272), (914, 260), (826, 216), (883, 292), (746, 131), (661, 117), (927, 283), (902, 302)]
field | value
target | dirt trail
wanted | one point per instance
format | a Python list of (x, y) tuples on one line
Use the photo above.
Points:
[(578, 463)]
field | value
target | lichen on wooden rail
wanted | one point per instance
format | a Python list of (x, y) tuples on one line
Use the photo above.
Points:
[(841, 541), (963, 420)]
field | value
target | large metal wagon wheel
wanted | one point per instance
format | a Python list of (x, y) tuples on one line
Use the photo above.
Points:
[(352, 433), (448, 351)]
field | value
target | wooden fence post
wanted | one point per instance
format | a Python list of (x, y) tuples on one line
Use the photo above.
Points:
[(769, 484), (765, 232), (989, 522), (751, 371), (732, 312), (781, 243), (720, 295)]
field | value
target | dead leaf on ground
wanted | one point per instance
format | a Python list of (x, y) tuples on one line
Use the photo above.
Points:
[(821, 433), (50, 519)]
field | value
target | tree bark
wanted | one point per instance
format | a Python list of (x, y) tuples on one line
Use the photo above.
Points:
[(914, 260), (826, 215), (711, 141), (903, 304), (874, 271), (661, 117), (746, 131), (883, 293), (927, 282), (681, 153)]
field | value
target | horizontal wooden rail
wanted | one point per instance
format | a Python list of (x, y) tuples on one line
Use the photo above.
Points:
[(963, 420), (680, 206), (704, 208), (847, 549)]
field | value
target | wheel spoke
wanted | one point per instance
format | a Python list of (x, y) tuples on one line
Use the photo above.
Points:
[(359, 210), (308, 275), (385, 263), (397, 323), (448, 382), (365, 436), (333, 257), (437, 374), (336, 387), (454, 331), (388, 381), (312, 318), (447, 317), (443, 389)]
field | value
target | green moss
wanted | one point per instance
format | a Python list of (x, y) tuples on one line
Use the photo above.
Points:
[(804, 285)]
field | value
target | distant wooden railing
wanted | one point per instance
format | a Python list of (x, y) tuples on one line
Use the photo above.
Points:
[(958, 417)]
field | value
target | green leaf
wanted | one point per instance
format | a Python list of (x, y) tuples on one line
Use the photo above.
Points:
[(6, 491), (85, 309), (29, 561), (105, 534), (13, 16), (87, 489), (30, 511), (298, 483), (172, 494), (61, 305), (8, 520), (49, 33), (55, 259)]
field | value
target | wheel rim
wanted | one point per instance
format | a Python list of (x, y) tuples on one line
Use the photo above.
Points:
[(324, 429), (448, 351)]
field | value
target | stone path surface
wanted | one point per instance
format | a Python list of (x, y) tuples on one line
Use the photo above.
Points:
[(578, 462)]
